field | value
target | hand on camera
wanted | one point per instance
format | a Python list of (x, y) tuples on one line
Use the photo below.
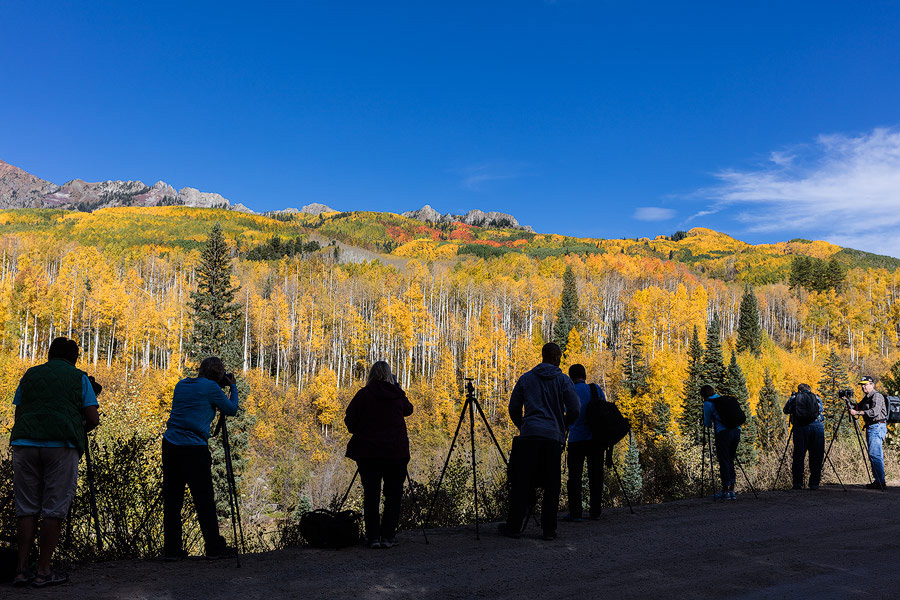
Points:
[(228, 380)]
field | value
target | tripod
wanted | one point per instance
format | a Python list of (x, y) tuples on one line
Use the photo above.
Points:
[(413, 496), (784, 455), (863, 446), (92, 501), (736, 460), (610, 463), (233, 498), (468, 407)]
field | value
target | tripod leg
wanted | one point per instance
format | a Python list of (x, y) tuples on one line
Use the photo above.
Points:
[(349, 487), (750, 485), (92, 496), (783, 455), (232, 491), (622, 487), (712, 472), (462, 415), (491, 432), (703, 467), (474, 470), (836, 473), (834, 433), (415, 500), (863, 448)]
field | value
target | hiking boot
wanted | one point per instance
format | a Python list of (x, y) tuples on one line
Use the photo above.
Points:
[(51, 578), (594, 517), (731, 496), (506, 531), (548, 536), (873, 486), (221, 552), (390, 542), (720, 495), (180, 555), (570, 518), (373, 544)]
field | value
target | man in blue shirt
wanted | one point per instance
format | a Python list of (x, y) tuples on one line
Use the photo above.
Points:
[(55, 405), (727, 440), (186, 458), (581, 448)]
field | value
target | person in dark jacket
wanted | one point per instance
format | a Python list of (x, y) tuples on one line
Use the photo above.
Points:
[(186, 459), (542, 406), (808, 426), (727, 440), (582, 448), (873, 409), (55, 405), (380, 447)]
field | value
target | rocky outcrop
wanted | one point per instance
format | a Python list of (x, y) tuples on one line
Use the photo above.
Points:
[(475, 217), (311, 209), (20, 189)]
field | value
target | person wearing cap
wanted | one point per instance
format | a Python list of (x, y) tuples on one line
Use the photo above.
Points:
[(873, 409)]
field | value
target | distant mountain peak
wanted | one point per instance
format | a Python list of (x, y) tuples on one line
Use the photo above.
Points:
[(476, 217)]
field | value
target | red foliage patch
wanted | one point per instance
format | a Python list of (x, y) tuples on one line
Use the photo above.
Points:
[(434, 234), (398, 234)]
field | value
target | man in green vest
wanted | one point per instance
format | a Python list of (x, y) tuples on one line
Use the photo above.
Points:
[(55, 406)]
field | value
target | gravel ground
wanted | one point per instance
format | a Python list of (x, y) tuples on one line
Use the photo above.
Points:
[(823, 544)]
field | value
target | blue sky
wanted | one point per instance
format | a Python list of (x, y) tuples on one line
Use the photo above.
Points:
[(767, 121)]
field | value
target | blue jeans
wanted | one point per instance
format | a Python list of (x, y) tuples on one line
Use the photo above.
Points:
[(875, 434), (726, 448), (812, 438)]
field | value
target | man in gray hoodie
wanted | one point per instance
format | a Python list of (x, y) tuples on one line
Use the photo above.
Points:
[(542, 406)]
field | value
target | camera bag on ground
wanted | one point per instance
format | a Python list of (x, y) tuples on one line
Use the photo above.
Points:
[(325, 528), (892, 403), (806, 409), (606, 423), (731, 414)]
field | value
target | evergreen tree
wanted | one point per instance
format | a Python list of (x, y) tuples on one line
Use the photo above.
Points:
[(749, 335), (736, 385), (567, 315), (635, 371), (217, 321), (834, 379), (713, 362), (633, 481), (692, 407), (769, 416)]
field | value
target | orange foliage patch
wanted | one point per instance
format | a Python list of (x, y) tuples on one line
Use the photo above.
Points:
[(398, 234), (431, 232), (462, 232)]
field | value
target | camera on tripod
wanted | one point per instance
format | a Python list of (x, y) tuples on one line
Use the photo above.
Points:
[(227, 380)]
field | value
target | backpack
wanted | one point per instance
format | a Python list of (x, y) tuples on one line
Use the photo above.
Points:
[(893, 408), (731, 414), (325, 528), (805, 410), (608, 426)]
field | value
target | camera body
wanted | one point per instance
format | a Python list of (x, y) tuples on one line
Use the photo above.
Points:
[(845, 394), (226, 380)]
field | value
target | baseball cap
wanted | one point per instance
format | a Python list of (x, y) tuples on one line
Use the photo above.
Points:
[(865, 379)]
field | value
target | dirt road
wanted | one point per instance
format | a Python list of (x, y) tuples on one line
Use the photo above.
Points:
[(824, 544)]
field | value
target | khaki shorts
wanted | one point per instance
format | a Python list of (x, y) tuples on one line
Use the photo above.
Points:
[(44, 480)]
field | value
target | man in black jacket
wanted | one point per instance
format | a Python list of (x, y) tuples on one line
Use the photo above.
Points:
[(808, 428), (542, 406)]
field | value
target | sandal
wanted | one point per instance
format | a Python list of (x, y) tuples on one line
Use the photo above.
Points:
[(23, 578), (51, 578)]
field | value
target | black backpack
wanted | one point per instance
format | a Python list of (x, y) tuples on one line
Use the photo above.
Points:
[(325, 528), (731, 414), (893, 408), (806, 409), (608, 426)]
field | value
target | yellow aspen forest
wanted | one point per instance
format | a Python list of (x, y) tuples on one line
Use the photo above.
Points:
[(380, 287)]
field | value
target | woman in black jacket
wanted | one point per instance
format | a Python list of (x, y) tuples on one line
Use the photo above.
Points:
[(380, 447)]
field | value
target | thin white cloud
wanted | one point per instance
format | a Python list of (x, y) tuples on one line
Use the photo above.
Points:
[(653, 213), (845, 189), (474, 177)]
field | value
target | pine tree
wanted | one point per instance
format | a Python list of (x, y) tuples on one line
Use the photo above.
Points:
[(736, 385), (635, 371), (749, 335), (633, 481), (713, 362), (769, 416), (834, 379), (567, 315), (217, 321), (692, 407)]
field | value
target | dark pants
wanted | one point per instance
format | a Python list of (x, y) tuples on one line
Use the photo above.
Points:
[(188, 465), (578, 452), (534, 463), (726, 449), (371, 472), (812, 438)]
